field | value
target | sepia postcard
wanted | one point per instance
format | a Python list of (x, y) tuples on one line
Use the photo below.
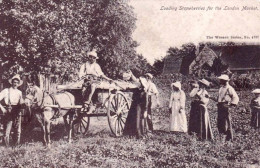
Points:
[(130, 83)]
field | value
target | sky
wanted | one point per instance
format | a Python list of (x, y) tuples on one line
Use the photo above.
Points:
[(157, 29)]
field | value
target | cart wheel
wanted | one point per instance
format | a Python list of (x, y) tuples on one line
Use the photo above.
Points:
[(81, 124), (117, 111)]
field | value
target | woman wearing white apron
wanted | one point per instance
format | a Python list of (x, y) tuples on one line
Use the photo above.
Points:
[(199, 115), (178, 120)]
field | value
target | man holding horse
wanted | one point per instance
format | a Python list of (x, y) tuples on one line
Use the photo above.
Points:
[(11, 101), (91, 72)]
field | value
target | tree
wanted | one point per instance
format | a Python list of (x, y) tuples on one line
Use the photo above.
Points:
[(54, 36), (158, 66), (188, 52)]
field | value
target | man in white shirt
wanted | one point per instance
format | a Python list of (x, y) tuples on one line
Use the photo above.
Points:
[(151, 90), (227, 97), (12, 100), (92, 69)]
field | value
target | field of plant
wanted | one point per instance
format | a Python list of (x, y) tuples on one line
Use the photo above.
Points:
[(160, 149)]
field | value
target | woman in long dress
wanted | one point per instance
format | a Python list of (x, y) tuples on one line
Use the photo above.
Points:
[(255, 109), (199, 122), (178, 118)]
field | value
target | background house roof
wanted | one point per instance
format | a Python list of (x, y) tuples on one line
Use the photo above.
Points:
[(239, 57)]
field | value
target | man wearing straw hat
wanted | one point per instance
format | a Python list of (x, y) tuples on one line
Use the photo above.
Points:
[(11, 100), (92, 68), (227, 97), (151, 90)]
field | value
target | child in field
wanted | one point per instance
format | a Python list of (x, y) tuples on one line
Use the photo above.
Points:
[(255, 109)]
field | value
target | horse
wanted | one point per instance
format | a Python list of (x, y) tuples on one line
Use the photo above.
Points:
[(47, 107)]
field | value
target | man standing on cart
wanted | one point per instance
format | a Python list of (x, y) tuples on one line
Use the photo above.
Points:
[(92, 74), (11, 101)]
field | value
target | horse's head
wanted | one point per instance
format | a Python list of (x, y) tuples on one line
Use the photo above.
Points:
[(33, 97)]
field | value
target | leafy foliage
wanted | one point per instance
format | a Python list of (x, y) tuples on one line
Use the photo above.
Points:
[(54, 36), (158, 66)]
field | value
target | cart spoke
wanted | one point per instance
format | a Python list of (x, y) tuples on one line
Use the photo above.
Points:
[(120, 97), (84, 121), (116, 101), (119, 124), (114, 116), (123, 120), (112, 113), (122, 107), (122, 125), (116, 127), (81, 127), (113, 105)]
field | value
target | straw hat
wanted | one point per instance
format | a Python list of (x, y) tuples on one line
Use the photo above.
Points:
[(149, 75), (177, 85), (257, 91), (16, 77), (93, 53), (204, 82), (224, 77)]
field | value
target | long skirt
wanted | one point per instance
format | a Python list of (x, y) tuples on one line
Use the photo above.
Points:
[(255, 119), (224, 122), (194, 118), (200, 121), (134, 125), (178, 121)]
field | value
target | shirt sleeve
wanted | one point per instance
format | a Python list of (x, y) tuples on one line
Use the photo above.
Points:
[(98, 70), (81, 71), (194, 92), (3, 94), (154, 89), (234, 96)]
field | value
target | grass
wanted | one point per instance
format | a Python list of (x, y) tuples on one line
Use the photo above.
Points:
[(160, 149)]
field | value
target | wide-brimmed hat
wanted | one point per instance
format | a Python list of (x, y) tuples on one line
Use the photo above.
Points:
[(257, 91), (177, 85), (93, 53), (224, 77), (204, 82), (16, 77), (149, 75)]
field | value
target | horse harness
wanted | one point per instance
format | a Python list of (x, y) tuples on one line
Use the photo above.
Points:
[(57, 113), (57, 110)]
